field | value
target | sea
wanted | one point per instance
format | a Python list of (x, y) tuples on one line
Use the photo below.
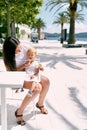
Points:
[(56, 38)]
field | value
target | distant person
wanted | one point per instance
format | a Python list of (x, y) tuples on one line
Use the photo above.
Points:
[(33, 69), (14, 55)]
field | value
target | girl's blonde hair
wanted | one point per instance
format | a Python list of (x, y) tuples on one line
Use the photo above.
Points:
[(32, 50)]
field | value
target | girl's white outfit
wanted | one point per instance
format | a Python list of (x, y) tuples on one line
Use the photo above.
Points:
[(31, 70), (21, 58)]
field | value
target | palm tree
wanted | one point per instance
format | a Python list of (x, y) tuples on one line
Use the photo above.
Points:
[(79, 17), (72, 4), (61, 19), (39, 25)]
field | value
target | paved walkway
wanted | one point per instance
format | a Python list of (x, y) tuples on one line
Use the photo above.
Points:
[(66, 100)]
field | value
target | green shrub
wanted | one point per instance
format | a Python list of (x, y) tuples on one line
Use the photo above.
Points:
[(1, 54)]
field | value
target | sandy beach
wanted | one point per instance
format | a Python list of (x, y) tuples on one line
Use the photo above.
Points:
[(66, 100)]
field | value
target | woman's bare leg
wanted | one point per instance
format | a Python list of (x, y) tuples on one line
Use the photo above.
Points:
[(45, 87), (27, 100)]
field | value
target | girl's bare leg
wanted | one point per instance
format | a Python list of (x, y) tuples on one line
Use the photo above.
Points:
[(30, 92)]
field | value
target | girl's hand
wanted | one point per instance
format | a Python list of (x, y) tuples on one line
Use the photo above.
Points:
[(41, 67), (32, 76)]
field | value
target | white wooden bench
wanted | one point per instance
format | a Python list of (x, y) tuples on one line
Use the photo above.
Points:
[(8, 79)]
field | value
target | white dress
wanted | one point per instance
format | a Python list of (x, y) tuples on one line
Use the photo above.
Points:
[(20, 59), (31, 70)]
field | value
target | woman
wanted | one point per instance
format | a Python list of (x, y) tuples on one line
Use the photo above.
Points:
[(14, 55)]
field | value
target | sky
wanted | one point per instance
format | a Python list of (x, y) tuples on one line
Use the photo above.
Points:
[(49, 16)]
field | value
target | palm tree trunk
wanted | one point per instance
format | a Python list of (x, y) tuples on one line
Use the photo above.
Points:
[(73, 9), (39, 33), (71, 39)]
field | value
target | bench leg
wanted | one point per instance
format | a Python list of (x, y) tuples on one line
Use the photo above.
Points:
[(3, 109)]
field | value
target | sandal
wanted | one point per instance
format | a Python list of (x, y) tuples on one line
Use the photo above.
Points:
[(21, 122), (17, 90), (43, 110)]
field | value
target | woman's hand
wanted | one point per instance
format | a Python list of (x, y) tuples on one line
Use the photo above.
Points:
[(23, 66), (27, 63)]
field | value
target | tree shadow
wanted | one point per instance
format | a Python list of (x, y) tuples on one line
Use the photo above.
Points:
[(65, 120), (54, 58), (47, 47), (74, 96), (69, 61)]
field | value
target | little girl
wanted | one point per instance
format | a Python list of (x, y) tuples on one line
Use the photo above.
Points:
[(32, 71)]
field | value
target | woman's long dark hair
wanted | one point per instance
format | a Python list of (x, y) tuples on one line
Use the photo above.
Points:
[(9, 48)]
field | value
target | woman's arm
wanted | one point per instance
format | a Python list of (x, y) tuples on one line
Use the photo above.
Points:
[(7, 68), (23, 66)]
